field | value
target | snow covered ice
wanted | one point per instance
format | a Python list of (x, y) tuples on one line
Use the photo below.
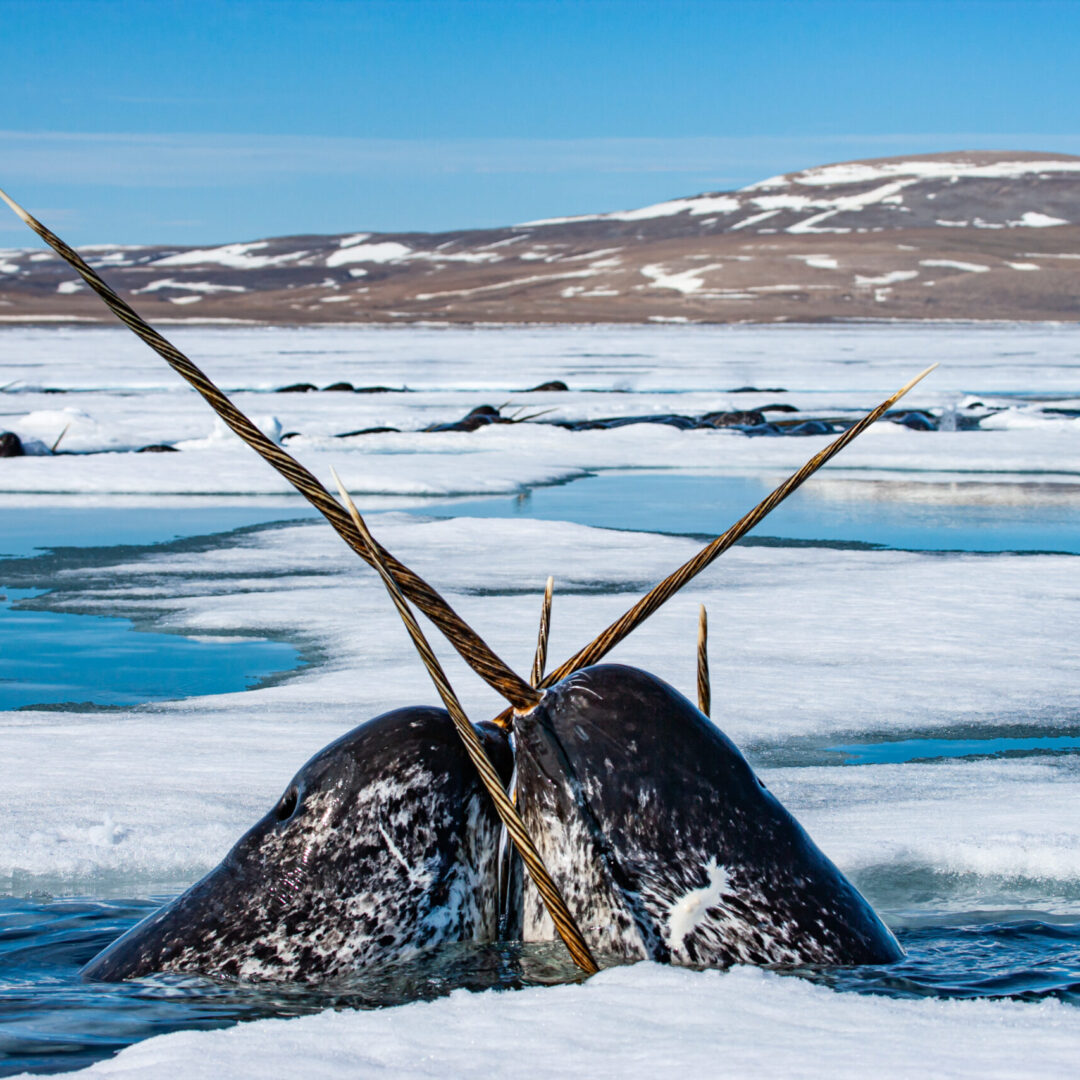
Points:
[(641, 1021), (811, 647)]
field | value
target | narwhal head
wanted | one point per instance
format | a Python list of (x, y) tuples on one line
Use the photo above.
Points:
[(382, 845), (665, 842)]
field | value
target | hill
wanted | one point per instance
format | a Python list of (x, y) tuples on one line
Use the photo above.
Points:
[(967, 235)]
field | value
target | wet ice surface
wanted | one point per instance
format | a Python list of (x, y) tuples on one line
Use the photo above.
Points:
[(954, 674)]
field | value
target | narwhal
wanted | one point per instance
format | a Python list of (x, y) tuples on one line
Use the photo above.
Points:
[(382, 846), (643, 830)]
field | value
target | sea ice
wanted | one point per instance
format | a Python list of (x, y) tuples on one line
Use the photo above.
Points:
[(811, 647), (641, 1021)]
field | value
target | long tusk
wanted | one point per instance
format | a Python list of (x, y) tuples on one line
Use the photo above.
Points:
[(540, 658), (704, 690), (468, 643), (553, 901), (667, 588), (52, 449)]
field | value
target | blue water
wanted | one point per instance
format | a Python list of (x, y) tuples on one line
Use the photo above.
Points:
[(901, 750), (30, 530), (53, 658), (707, 505), (49, 658), (44, 941), (51, 1020)]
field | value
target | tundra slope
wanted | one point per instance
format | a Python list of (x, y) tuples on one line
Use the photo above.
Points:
[(966, 235)]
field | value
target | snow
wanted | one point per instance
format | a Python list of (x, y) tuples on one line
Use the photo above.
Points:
[(640, 1021), (456, 256), (684, 281), (190, 286), (863, 172), (811, 647), (818, 262), (753, 219), (696, 207), (889, 278), (381, 252), (1032, 219), (532, 279), (234, 256), (952, 264)]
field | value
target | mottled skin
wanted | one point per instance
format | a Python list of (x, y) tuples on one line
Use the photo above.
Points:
[(666, 844), (383, 844)]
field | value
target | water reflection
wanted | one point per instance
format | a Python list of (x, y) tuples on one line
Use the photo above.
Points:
[(952, 515)]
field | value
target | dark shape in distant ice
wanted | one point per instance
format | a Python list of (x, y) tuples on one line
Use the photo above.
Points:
[(548, 387), (10, 445)]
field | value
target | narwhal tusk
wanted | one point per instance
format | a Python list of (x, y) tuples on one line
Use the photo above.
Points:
[(704, 690), (560, 914), (468, 643), (59, 439), (659, 594), (540, 657)]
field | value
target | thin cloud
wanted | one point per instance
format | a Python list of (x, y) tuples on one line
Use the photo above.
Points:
[(216, 160)]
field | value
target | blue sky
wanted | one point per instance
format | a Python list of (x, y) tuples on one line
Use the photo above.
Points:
[(147, 120)]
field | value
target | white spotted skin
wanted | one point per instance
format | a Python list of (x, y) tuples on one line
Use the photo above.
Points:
[(580, 869), (391, 850), (665, 843)]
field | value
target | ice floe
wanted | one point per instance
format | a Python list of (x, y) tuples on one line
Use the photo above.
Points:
[(640, 1021)]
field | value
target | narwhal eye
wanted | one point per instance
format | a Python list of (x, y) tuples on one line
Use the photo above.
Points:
[(287, 807)]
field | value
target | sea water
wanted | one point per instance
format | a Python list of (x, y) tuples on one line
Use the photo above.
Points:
[(58, 658)]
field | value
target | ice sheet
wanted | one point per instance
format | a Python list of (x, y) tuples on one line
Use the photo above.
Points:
[(642, 1021), (121, 398)]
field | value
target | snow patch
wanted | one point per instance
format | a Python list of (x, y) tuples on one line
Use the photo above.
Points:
[(697, 206), (864, 172), (235, 256), (189, 286), (684, 281), (890, 278), (818, 262), (1034, 220), (953, 264), (745, 223), (382, 252)]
